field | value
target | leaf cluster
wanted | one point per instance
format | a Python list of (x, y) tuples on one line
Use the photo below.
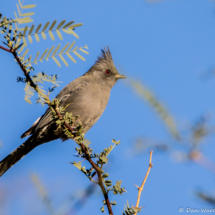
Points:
[(28, 32), (53, 53), (38, 78), (102, 209), (4, 21), (10, 33), (130, 210), (23, 17), (101, 159), (146, 94), (116, 190), (16, 39)]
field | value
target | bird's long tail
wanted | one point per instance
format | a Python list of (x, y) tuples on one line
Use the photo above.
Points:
[(18, 154)]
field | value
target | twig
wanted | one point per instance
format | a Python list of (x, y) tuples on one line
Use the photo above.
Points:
[(98, 171), (8, 50), (140, 189), (13, 51)]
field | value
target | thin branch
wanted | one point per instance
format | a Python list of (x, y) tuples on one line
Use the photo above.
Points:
[(98, 171), (140, 189), (8, 50), (22, 66)]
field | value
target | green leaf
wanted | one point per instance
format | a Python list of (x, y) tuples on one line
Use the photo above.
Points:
[(55, 51), (25, 20), (113, 203), (62, 58), (46, 25), (71, 58), (43, 35), (29, 6), (36, 56), (52, 25), (75, 49), (70, 46), (30, 38), (38, 28), (75, 25), (71, 32), (56, 61), (30, 58), (22, 47), (51, 35), (24, 14), (59, 34), (61, 23), (24, 41), (105, 175), (26, 6), (27, 14), (25, 30), (31, 29), (102, 209), (26, 51), (84, 51), (68, 24), (27, 100), (15, 15), (77, 54), (117, 186), (20, 4), (44, 54), (64, 48), (37, 37), (18, 41), (18, 9), (50, 51), (25, 61), (118, 142), (78, 165)]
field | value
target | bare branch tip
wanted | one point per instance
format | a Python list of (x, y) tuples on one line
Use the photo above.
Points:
[(136, 186)]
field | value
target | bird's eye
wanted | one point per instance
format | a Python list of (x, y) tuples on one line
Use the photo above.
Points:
[(107, 72)]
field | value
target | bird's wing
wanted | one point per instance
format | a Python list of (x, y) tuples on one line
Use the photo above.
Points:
[(30, 130), (66, 96)]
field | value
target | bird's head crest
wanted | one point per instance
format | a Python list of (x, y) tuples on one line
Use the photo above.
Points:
[(105, 56)]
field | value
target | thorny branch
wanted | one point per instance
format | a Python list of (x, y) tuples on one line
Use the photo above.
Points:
[(100, 181), (84, 149), (140, 189), (13, 51)]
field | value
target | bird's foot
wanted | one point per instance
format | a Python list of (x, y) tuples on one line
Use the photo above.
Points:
[(74, 130)]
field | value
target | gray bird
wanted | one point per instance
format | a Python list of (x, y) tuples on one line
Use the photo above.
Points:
[(87, 95)]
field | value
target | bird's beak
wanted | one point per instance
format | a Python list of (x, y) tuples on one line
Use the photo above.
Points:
[(118, 76)]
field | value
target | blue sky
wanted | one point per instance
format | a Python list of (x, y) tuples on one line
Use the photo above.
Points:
[(167, 45)]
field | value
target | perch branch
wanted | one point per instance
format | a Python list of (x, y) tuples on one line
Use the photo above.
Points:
[(22, 66), (140, 189)]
